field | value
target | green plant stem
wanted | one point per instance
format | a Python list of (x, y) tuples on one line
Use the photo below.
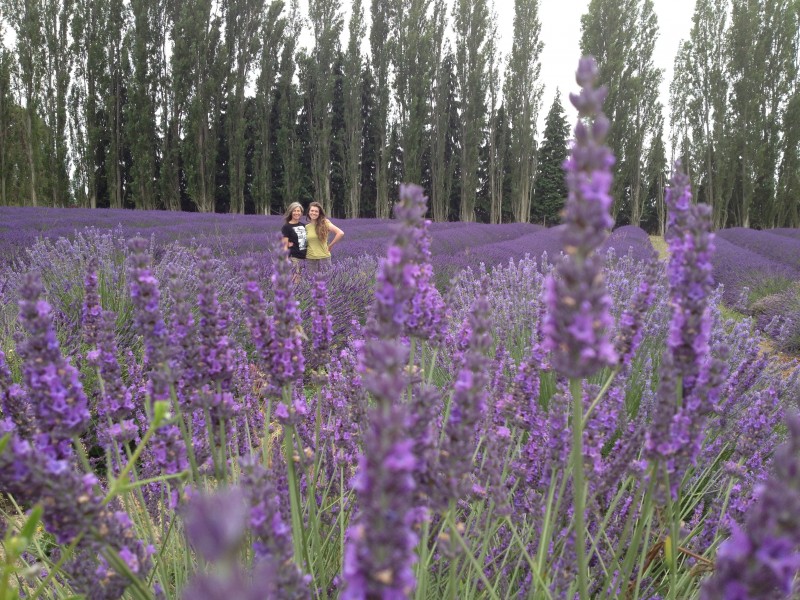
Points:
[(674, 542), (123, 476), (57, 567), (578, 486), (599, 396)]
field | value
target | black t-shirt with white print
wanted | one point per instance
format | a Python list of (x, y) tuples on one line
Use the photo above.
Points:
[(296, 234)]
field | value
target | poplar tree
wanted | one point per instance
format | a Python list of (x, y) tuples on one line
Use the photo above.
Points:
[(762, 68), (326, 25), (201, 28), (25, 19), (471, 24), (6, 112), (788, 193), (380, 54), (90, 88), (288, 108), (621, 35), (523, 93), (497, 142), (353, 118), (699, 97), (414, 24), (272, 33), (550, 189), (443, 84), (244, 32), (145, 50), (57, 67), (115, 104)]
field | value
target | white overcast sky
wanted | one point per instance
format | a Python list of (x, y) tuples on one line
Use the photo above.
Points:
[(561, 33)]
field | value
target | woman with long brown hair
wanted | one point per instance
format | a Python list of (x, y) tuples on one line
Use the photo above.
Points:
[(318, 230)]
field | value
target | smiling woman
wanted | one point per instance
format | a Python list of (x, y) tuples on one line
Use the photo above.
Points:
[(317, 231)]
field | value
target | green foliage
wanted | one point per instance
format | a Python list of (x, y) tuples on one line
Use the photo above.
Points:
[(550, 190)]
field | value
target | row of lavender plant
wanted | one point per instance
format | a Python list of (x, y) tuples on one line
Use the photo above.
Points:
[(539, 431)]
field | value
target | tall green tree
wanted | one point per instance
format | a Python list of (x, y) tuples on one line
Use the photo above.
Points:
[(201, 26), (92, 85), (471, 24), (414, 25), (441, 168), (145, 48), (353, 117), (608, 29), (699, 100), (788, 194), (326, 24), (380, 55), (762, 69), (246, 25), (642, 110), (272, 31), (497, 134), (25, 18), (57, 59), (115, 103), (550, 189), (6, 116), (523, 93), (289, 108)]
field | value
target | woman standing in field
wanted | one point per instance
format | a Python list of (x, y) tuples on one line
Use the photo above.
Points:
[(294, 236), (317, 231)]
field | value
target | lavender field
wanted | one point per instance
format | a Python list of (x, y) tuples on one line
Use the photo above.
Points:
[(445, 413)]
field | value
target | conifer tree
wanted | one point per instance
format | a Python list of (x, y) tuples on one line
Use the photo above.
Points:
[(550, 188)]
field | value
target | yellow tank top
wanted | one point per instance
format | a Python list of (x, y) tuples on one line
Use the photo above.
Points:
[(316, 248)]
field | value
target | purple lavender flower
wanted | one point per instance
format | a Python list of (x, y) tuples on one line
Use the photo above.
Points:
[(379, 553), (73, 507), (216, 523), (14, 403), (406, 301), (54, 388), (115, 408), (688, 371), (578, 319), (145, 295), (762, 557), (689, 271), (322, 324), (468, 402), (91, 305)]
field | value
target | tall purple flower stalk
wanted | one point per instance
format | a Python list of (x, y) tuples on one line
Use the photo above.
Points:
[(147, 315), (691, 380), (322, 323), (54, 389), (578, 317), (762, 557), (379, 554), (468, 402), (406, 301)]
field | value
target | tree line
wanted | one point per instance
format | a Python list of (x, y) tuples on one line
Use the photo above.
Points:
[(216, 105)]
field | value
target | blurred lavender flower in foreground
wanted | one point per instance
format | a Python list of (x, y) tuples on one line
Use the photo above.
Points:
[(578, 308), (762, 558), (215, 523)]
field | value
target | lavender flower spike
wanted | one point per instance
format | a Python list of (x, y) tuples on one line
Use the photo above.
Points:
[(762, 558), (578, 316)]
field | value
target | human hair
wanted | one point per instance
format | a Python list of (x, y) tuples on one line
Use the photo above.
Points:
[(287, 216), (321, 226)]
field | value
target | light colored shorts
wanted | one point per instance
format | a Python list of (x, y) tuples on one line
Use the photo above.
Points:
[(317, 265)]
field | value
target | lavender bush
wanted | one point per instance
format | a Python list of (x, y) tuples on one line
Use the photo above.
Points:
[(582, 425)]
